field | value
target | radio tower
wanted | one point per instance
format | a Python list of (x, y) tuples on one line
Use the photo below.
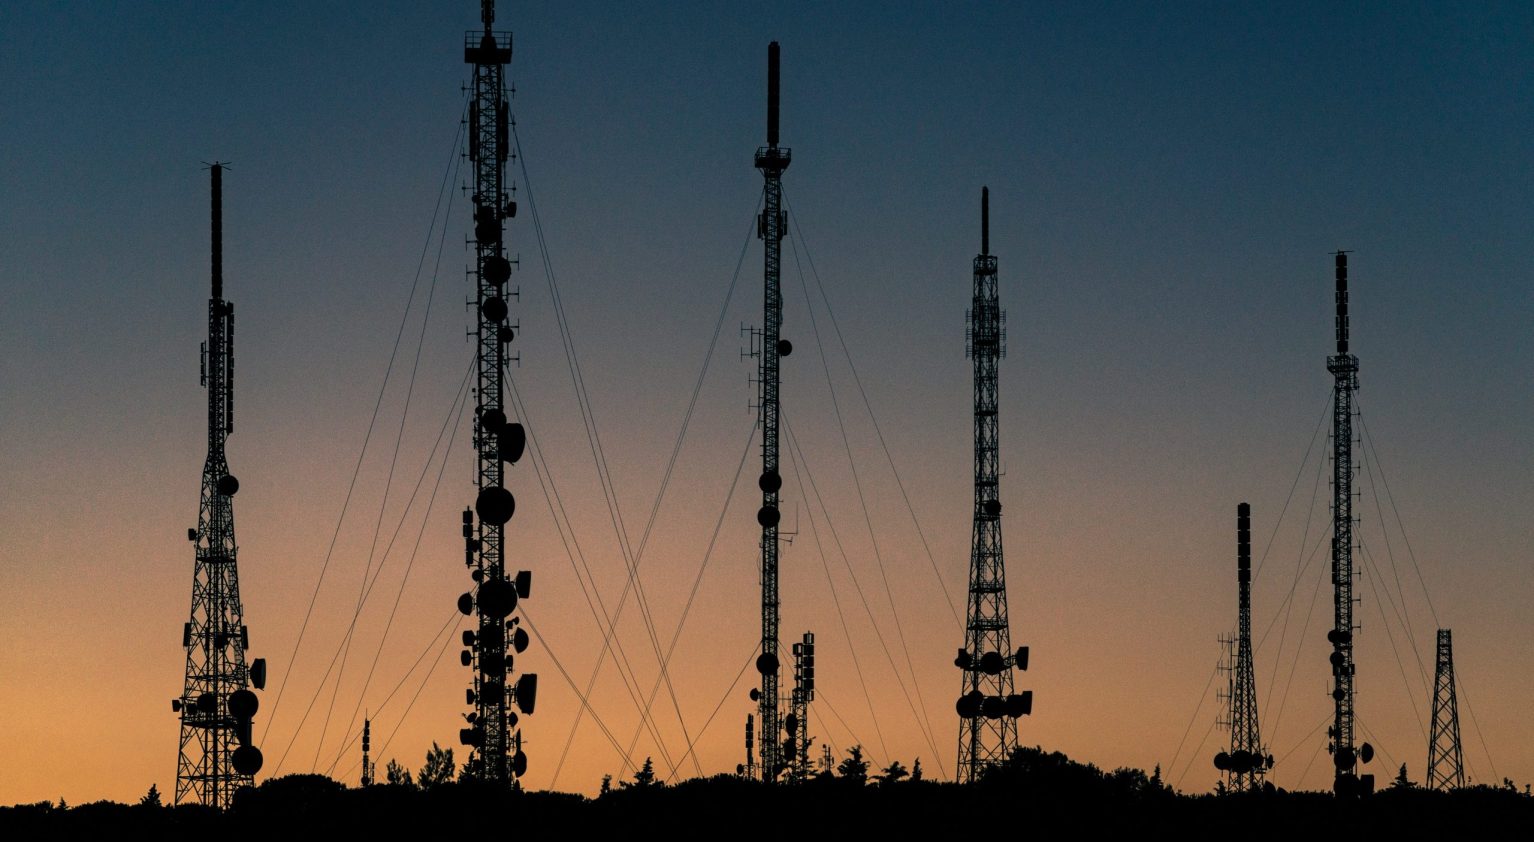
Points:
[(216, 705), (796, 749), (495, 744), (367, 752), (771, 227), (1344, 368), (1246, 762), (1445, 762), (988, 709)]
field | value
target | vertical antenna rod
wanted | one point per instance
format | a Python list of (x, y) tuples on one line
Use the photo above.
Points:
[(1344, 369), (495, 745), (771, 227), (988, 709), (217, 755)]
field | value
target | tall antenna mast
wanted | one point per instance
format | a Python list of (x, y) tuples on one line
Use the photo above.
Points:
[(1344, 369), (796, 748), (1247, 761), (771, 227), (217, 753), (495, 743), (1445, 760), (988, 709)]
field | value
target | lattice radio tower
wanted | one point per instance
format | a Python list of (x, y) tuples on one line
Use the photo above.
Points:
[(988, 709), (216, 705), (1344, 369), (1445, 761), (796, 747), (768, 347), (1246, 761), (496, 745)]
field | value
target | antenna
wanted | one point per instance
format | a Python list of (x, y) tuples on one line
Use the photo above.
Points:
[(796, 747), (988, 708), (1246, 762), (495, 745), (771, 227), (1445, 760), (217, 753), (1344, 369), (367, 747)]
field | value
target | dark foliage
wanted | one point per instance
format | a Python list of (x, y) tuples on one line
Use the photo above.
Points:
[(1046, 793)]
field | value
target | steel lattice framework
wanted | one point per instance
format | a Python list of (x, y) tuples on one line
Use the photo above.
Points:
[(797, 746), (496, 744), (1344, 369), (217, 755), (771, 160), (987, 707), (1246, 762), (1445, 761)]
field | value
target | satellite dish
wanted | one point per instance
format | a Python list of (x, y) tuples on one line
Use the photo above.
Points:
[(524, 583), (468, 637), (1020, 704), (258, 673), (1222, 762), (494, 309), (513, 441), (511, 719), (519, 641), (1366, 753), (993, 707), (1020, 659), (466, 736), (497, 598), (175, 705), (466, 657), (246, 760), (466, 604), (487, 230), (1345, 759), (766, 663), (785, 347), (963, 660), (497, 269), (519, 763), (770, 482), (992, 508), (477, 575), (228, 485), (991, 663), (1336, 659), (527, 692), (468, 696), (207, 703), (1240, 760), (243, 704), (491, 420), (790, 723), (968, 705), (495, 505), (756, 695), (505, 334), (768, 516)]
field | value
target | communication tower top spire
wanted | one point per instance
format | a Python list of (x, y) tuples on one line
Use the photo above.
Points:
[(985, 221), (218, 230)]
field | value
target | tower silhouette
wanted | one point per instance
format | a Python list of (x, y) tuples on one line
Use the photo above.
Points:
[(1445, 761), (796, 748), (988, 709), (1246, 761), (771, 228), (216, 705), (495, 743), (367, 752), (1344, 369)]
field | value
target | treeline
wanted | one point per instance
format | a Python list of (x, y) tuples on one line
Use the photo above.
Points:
[(1036, 791)]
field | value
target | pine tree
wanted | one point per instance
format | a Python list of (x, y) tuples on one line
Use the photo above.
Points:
[(854, 768), (916, 775), (151, 798)]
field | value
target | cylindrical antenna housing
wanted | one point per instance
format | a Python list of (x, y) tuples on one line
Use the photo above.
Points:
[(1342, 303), (218, 231), (772, 94), (1244, 540), (985, 221)]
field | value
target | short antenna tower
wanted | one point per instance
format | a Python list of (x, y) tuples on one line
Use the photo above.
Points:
[(1246, 762), (1445, 760), (988, 709)]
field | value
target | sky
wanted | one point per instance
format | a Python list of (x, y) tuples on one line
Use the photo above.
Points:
[(1167, 181)]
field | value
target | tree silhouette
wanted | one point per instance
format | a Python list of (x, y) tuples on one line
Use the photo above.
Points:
[(916, 775), (1401, 781), (892, 773), (151, 798), (854, 768), (607, 784), (397, 775), (644, 778), (439, 768)]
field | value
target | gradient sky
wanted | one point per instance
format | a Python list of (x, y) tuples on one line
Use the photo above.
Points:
[(1167, 182)]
